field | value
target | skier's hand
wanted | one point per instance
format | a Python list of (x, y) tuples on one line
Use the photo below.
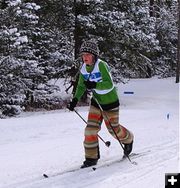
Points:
[(90, 85), (72, 104)]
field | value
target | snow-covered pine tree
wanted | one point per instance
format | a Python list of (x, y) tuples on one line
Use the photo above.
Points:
[(39, 44), (19, 64), (125, 33), (56, 46), (128, 37), (167, 32)]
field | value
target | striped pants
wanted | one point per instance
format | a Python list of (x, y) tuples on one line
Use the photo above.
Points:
[(95, 118)]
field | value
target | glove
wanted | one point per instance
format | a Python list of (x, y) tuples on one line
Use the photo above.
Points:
[(72, 104), (90, 85)]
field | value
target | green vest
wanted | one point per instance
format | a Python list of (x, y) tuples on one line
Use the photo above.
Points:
[(105, 92)]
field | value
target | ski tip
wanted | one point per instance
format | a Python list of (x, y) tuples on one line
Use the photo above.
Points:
[(45, 176)]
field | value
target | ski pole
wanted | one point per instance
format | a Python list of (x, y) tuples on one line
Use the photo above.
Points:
[(107, 143), (113, 130)]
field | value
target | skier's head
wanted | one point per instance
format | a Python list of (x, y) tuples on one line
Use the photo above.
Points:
[(89, 50)]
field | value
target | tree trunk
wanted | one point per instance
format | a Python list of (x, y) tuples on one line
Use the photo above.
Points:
[(151, 8), (75, 32), (178, 47)]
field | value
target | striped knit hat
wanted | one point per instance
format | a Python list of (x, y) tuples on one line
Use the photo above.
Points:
[(90, 46)]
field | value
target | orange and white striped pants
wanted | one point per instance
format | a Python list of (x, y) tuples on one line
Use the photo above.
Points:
[(95, 118)]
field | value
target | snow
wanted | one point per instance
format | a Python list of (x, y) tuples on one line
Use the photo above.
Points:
[(52, 142), (14, 2), (32, 6), (21, 39), (30, 16), (12, 30)]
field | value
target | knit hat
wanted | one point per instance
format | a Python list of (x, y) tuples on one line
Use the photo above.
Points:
[(90, 46)]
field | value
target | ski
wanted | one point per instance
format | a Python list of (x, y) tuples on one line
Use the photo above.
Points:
[(62, 172), (124, 158), (98, 166)]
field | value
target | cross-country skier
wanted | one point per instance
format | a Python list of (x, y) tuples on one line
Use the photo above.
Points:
[(95, 76)]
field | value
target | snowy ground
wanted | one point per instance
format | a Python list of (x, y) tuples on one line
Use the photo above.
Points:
[(51, 142)]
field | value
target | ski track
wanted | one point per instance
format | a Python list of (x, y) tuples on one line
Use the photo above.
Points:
[(124, 172), (38, 138)]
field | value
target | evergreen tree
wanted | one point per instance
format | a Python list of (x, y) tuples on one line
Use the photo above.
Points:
[(167, 32), (40, 41), (124, 30), (19, 64)]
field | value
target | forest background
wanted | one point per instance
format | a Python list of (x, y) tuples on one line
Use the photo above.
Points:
[(40, 41)]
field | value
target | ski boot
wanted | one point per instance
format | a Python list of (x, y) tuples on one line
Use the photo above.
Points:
[(89, 162), (128, 148)]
